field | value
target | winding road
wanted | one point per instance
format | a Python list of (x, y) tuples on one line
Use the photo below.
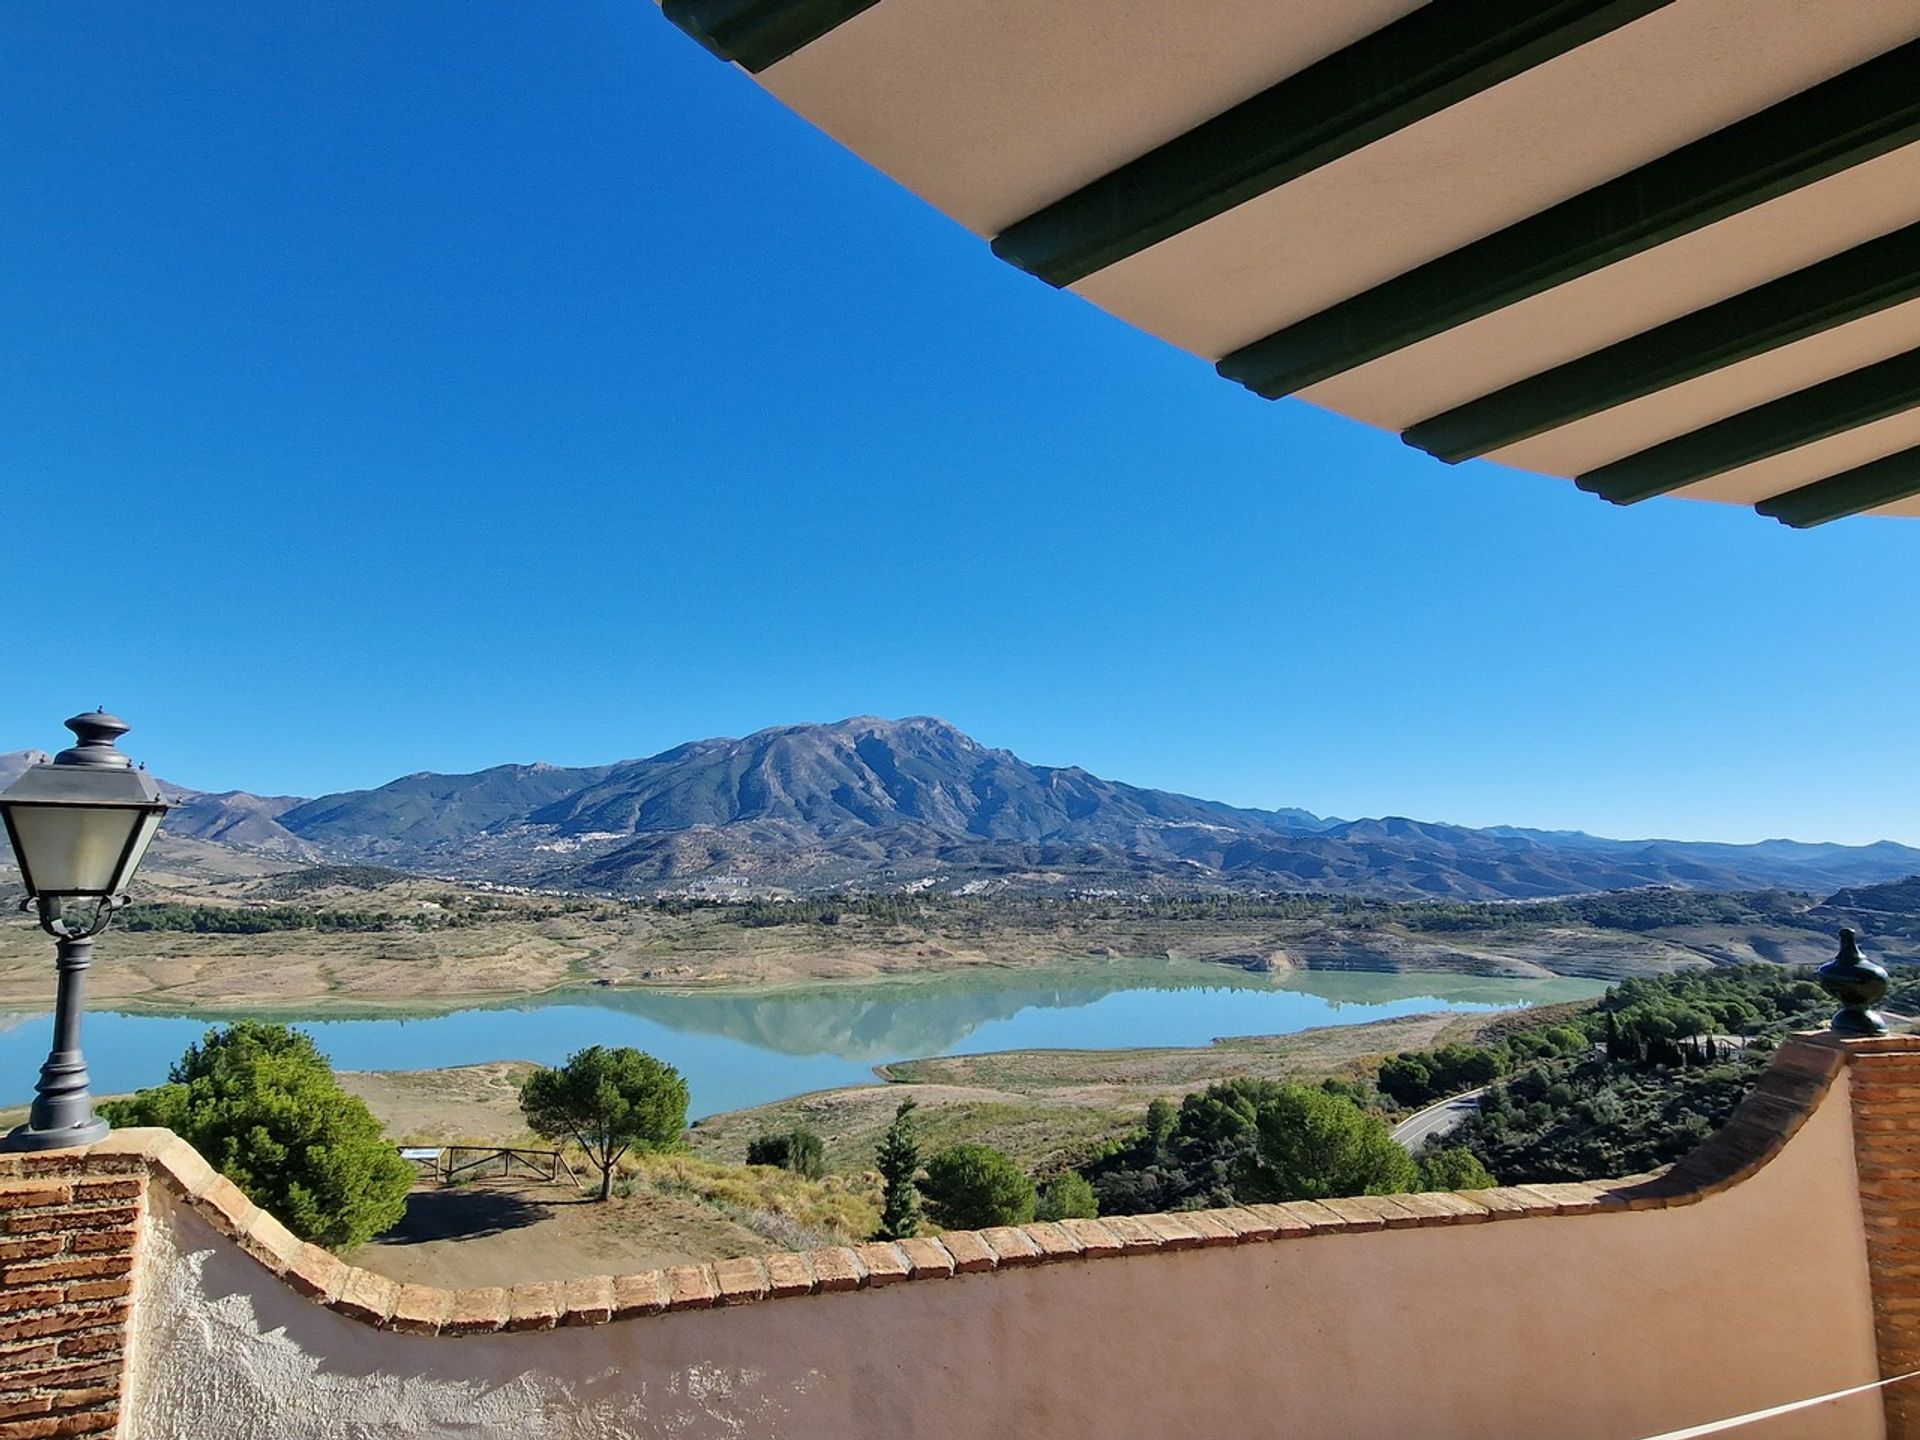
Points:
[(1438, 1119)]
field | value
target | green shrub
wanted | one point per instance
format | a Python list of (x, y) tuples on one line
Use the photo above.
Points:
[(1310, 1145), (1418, 1077), (798, 1150), (972, 1187), (1591, 1118), (261, 1104), (1250, 1139), (1455, 1168), (1068, 1196)]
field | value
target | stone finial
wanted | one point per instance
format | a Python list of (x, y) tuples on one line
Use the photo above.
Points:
[(1858, 984)]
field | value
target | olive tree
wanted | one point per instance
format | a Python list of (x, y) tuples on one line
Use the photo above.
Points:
[(609, 1101)]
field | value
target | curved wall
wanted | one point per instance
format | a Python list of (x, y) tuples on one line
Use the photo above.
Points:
[(1718, 1290)]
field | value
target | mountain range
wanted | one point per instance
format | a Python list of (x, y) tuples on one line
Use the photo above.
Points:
[(880, 803)]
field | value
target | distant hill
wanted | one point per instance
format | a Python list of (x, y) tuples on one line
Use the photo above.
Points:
[(231, 817), (887, 802), (1889, 909), (422, 814), (13, 762)]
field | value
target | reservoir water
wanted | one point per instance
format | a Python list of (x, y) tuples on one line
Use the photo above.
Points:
[(739, 1047)]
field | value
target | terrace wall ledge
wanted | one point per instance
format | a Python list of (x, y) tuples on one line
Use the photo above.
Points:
[(1787, 1092)]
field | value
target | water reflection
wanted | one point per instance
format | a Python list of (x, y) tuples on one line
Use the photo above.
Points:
[(742, 1048), (937, 1015)]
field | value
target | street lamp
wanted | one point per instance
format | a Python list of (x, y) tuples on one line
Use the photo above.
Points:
[(79, 825)]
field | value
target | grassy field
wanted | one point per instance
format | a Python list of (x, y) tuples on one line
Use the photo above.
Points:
[(667, 1209)]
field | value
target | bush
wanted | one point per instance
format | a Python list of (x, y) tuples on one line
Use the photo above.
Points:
[(1406, 1078), (261, 1104), (1068, 1196), (1250, 1139), (972, 1187), (1183, 1158), (1455, 1168), (799, 1150), (610, 1102), (1417, 1077), (1590, 1118), (1310, 1145)]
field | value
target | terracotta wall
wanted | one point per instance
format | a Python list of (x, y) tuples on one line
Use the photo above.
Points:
[(1736, 1281)]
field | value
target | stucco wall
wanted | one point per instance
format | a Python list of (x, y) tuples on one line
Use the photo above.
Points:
[(1609, 1326)]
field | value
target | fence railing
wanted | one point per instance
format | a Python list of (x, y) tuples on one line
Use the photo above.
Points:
[(446, 1162)]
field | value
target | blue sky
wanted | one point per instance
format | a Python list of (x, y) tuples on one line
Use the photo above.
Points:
[(393, 387)]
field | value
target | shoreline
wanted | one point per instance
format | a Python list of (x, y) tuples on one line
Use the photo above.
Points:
[(1192, 972)]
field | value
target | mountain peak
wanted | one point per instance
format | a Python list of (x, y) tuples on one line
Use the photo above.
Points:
[(872, 801)]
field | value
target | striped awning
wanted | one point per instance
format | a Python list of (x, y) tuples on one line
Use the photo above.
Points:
[(1658, 247)]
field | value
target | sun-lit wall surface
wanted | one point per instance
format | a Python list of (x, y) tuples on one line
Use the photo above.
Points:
[(1616, 1310)]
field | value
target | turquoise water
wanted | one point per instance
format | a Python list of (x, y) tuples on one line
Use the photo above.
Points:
[(740, 1048)]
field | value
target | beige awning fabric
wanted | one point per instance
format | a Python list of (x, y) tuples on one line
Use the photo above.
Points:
[(1660, 247)]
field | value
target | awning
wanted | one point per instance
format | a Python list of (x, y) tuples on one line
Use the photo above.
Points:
[(1658, 247)]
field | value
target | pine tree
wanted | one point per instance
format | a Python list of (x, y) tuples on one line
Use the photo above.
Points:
[(898, 1157), (262, 1104), (609, 1102)]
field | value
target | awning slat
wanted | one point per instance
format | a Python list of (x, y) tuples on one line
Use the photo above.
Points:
[(1829, 408), (1843, 122), (1436, 56), (1647, 246), (1865, 487), (1850, 286), (758, 34)]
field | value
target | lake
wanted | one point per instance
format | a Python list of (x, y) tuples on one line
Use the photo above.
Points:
[(739, 1048)]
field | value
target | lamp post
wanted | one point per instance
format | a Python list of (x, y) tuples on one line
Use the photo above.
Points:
[(79, 825)]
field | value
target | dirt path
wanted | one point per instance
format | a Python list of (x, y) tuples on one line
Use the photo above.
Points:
[(503, 1232)]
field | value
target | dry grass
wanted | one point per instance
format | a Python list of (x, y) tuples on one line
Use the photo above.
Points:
[(791, 1211)]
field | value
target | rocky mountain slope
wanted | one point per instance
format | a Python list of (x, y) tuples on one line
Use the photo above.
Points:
[(890, 802)]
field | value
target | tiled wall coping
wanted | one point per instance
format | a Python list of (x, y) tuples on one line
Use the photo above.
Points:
[(1787, 1092)]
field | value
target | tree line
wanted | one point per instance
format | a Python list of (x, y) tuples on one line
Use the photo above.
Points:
[(1625, 910), (223, 920)]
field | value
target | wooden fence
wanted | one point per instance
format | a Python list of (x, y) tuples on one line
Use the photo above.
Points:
[(449, 1162)]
